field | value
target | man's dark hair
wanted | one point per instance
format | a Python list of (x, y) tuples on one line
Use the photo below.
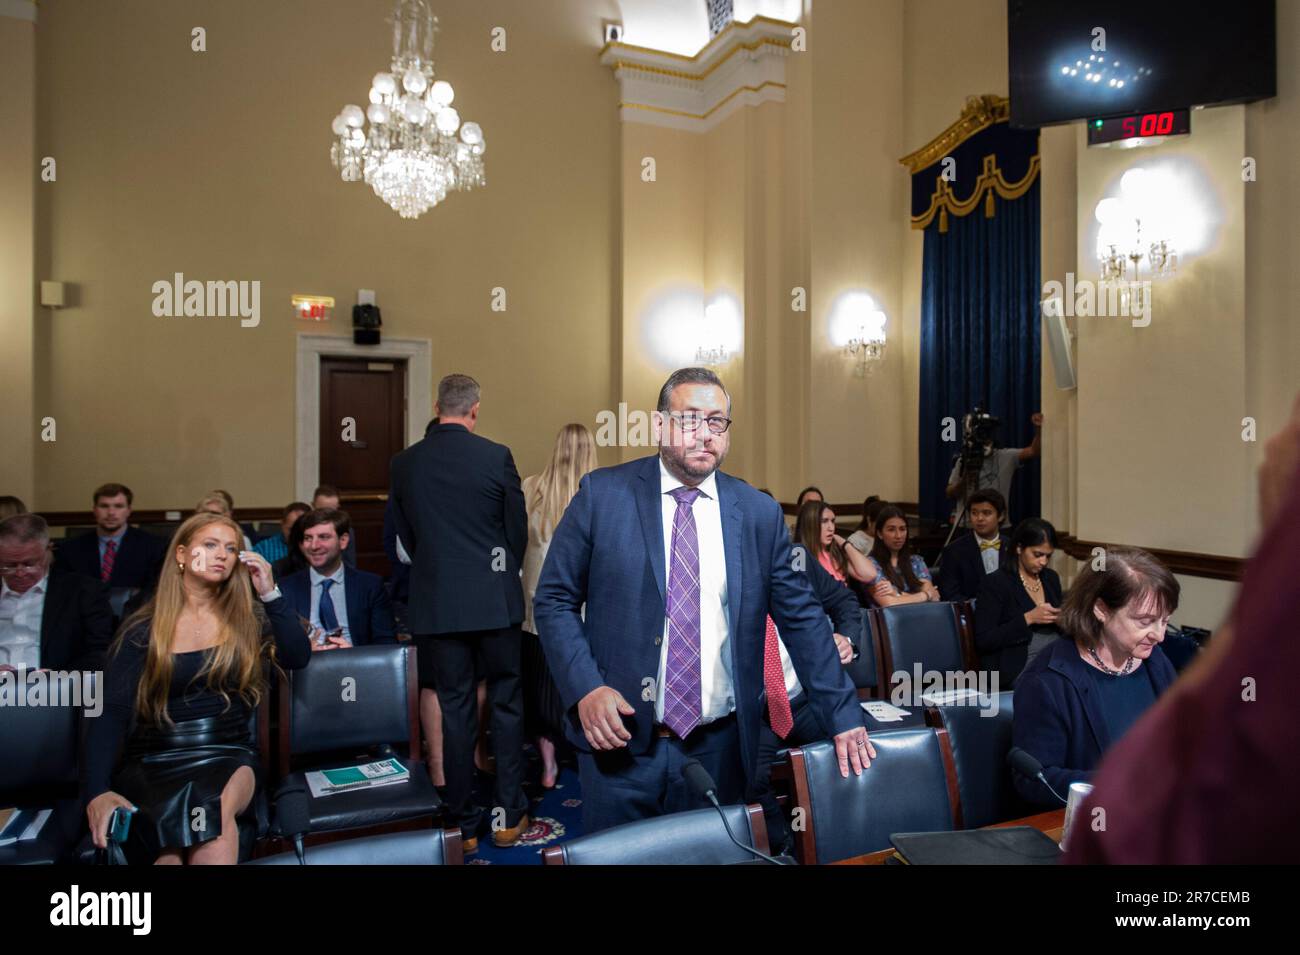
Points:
[(321, 515), (112, 490), (992, 496), (689, 376), (456, 395), (295, 506), (325, 490)]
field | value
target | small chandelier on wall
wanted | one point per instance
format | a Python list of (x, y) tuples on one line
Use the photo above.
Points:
[(416, 150)]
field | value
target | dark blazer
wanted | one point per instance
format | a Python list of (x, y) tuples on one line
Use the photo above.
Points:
[(1057, 719), (76, 623), (1001, 634), (961, 568), (370, 613), (608, 553), (838, 602), (137, 563), (460, 513)]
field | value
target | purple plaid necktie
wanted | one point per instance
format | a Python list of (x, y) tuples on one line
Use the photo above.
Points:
[(682, 697)]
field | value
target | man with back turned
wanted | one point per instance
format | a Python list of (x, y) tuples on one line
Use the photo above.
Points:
[(460, 516), (679, 566)]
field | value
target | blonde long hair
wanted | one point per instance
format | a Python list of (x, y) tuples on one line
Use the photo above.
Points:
[(235, 662), (574, 456)]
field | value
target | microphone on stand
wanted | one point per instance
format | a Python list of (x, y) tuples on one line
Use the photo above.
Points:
[(293, 812), (702, 784), (1028, 766)]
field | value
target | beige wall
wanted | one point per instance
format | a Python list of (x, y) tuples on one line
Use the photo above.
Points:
[(217, 165), (856, 425), (19, 421)]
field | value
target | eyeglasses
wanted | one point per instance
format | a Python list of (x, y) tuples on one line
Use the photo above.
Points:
[(690, 421), (27, 565)]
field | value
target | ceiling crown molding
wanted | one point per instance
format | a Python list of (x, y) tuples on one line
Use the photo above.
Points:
[(743, 65)]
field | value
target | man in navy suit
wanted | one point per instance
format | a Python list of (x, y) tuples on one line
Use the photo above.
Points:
[(968, 558), (347, 607), (678, 566), (117, 554)]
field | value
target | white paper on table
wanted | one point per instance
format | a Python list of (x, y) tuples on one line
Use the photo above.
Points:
[(884, 712), (950, 697)]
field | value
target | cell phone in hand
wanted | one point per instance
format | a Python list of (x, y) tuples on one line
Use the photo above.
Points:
[(119, 825)]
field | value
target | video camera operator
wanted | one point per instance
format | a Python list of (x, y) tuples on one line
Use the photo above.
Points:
[(982, 464)]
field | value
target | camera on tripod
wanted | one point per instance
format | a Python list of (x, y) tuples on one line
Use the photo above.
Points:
[(979, 428)]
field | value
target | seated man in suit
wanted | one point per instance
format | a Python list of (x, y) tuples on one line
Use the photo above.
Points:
[(117, 554), (967, 559), (346, 607), (49, 620)]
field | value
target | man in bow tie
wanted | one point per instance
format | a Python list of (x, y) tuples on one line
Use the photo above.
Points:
[(967, 559)]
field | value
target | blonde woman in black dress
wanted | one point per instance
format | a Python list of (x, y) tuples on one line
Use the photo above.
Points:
[(185, 674)]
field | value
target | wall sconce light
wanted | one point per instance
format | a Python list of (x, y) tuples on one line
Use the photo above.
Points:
[(859, 325), (722, 324)]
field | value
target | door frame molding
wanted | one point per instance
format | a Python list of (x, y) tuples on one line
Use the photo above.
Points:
[(418, 354)]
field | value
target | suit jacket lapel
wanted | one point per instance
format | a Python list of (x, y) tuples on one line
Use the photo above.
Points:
[(650, 509), (733, 520)]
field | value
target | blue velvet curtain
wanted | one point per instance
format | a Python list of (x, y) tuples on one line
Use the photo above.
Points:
[(980, 320)]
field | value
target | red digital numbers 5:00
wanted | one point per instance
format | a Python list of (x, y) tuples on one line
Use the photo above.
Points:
[(1150, 124)]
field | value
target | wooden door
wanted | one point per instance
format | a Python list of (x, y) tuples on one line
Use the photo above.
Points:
[(362, 425)]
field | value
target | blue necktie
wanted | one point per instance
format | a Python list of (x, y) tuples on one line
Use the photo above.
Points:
[(329, 620)]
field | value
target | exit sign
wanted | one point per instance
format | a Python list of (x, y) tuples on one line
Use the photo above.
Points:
[(313, 308)]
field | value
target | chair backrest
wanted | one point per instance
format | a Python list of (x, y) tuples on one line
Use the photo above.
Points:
[(118, 597), (362, 696), (865, 670), (907, 788), (415, 847), (267, 529), (697, 837), (164, 530), (38, 741), (928, 634), (980, 738)]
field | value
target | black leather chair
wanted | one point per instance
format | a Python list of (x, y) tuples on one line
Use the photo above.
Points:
[(865, 670), (422, 847), (165, 530), (697, 837), (931, 634), (980, 738), (38, 770), (320, 729), (909, 788)]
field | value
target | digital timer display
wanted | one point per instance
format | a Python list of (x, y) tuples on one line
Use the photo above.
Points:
[(1175, 122)]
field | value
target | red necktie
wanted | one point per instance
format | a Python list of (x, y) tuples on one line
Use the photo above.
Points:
[(778, 703), (106, 563)]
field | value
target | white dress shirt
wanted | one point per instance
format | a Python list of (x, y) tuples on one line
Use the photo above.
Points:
[(716, 685), (20, 624), (989, 555), (336, 595)]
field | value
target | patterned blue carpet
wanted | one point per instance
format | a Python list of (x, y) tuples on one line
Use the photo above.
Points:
[(556, 816)]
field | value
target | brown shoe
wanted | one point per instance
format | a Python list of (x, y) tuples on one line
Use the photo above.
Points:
[(505, 838)]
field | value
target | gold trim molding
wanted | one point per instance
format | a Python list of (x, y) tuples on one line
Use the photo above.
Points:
[(990, 183), (979, 113)]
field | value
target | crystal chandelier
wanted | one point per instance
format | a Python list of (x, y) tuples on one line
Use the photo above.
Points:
[(411, 155)]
